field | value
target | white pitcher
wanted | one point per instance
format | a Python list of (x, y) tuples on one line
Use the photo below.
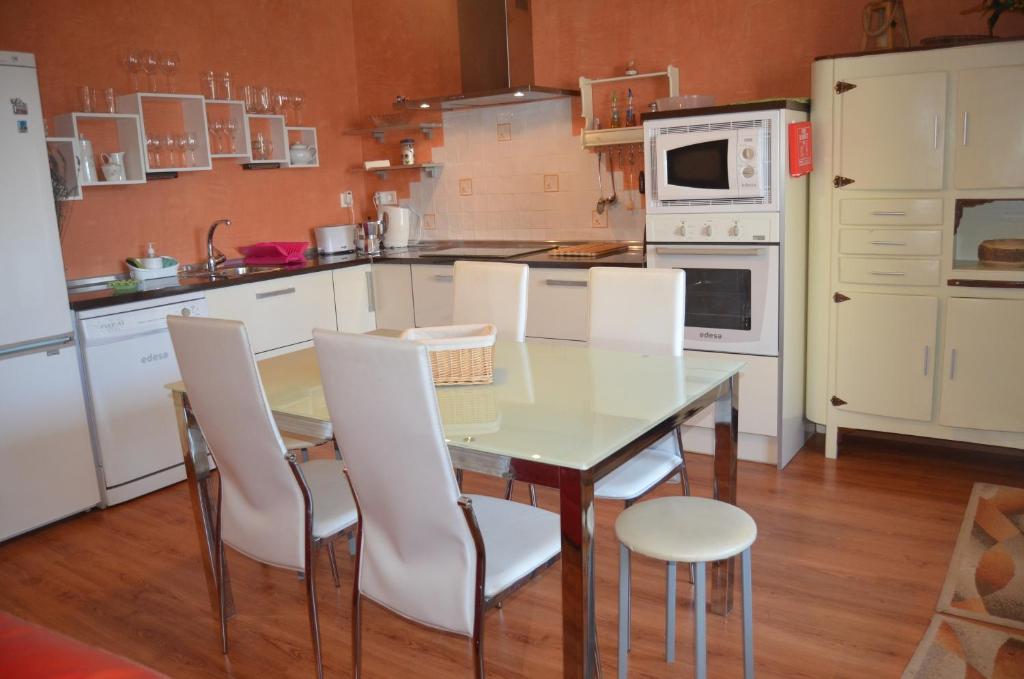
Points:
[(113, 166)]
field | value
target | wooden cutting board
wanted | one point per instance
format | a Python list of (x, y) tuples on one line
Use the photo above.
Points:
[(592, 250)]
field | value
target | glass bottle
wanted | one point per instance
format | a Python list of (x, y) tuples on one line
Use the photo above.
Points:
[(616, 120)]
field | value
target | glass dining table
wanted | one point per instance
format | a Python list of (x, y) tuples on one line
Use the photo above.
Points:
[(558, 415)]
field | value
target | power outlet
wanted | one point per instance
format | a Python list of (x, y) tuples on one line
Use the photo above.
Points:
[(346, 199), (385, 198), (598, 221)]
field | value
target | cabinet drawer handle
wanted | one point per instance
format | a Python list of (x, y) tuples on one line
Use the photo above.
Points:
[(888, 242), (927, 352), (443, 277), (888, 273), (275, 293), (952, 364), (565, 284), (965, 128), (935, 132), (371, 296), (888, 213)]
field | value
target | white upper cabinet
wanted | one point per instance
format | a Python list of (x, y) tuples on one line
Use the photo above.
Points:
[(990, 128), (891, 135), (885, 352), (983, 372)]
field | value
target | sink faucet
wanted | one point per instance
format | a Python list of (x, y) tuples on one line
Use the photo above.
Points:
[(213, 255)]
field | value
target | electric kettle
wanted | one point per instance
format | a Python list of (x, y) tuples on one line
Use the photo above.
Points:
[(398, 223)]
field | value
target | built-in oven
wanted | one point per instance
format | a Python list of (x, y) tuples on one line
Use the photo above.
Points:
[(732, 294)]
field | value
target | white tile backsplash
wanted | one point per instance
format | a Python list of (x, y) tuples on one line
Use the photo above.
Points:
[(509, 201)]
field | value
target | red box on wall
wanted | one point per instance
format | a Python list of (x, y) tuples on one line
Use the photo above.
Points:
[(801, 153)]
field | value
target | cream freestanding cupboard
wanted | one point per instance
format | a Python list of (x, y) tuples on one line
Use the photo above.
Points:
[(907, 331)]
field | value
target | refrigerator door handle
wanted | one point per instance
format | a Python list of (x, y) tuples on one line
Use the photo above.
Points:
[(47, 344)]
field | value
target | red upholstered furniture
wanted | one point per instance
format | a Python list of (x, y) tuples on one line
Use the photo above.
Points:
[(28, 651)]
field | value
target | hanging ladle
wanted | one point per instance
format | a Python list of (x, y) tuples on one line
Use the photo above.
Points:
[(602, 200)]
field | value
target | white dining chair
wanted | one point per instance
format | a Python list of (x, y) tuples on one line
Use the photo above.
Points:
[(696, 531), (641, 310), (424, 551), (492, 292), (270, 507)]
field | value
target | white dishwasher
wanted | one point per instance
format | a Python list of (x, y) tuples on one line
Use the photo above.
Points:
[(128, 360)]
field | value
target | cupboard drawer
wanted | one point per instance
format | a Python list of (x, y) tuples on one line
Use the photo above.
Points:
[(433, 294), (872, 271), (890, 211), (279, 312), (558, 304), (890, 241)]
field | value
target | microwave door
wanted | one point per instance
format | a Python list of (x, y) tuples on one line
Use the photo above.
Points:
[(696, 165)]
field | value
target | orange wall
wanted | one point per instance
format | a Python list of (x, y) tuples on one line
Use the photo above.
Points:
[(300, 44)]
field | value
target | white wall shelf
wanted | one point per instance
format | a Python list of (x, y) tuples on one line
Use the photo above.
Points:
[(108, 132), (225, 109), (62, 150), (307, 136), (427, 169), (274, 132), (591, 138), (160, 114)]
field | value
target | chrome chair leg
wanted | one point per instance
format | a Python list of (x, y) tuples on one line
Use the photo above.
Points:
[(352, 543), (337, 450), (533, 495), (357, 637), (508, 489), (748, 617), (700, 644), (458, 478), (624, 610), (670, 612), (314, 618), (305, 454), (684, 478), (334, 563), (222, 594)]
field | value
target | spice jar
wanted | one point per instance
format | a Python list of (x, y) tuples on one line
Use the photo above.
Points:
[(408, 152)]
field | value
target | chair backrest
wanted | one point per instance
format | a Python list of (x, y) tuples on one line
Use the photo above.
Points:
[(262, 507), (492, 292), (417, 553), (638, 309)]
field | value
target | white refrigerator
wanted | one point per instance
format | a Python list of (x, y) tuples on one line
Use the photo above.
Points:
[(47, 470)]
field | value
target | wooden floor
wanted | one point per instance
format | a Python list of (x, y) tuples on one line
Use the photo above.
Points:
[(848, 565)]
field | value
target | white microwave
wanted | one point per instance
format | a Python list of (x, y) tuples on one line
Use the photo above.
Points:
[(704, 161)]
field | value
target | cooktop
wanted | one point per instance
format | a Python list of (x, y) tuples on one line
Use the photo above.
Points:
[(484, 253)]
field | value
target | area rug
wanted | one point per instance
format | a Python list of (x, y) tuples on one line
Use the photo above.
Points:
[(986, 577), (954, 648)]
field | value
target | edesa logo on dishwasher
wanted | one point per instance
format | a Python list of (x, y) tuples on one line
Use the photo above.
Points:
[(153, 358)]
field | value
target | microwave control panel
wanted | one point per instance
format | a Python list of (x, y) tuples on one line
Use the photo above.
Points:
[(749, 179), (713, 228)]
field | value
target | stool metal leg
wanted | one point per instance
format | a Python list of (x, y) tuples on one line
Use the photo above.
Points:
[(748, 617), (670, 611), (624, 610), (700, 643)]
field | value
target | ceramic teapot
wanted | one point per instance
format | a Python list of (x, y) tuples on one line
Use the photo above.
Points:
[(302, 154)]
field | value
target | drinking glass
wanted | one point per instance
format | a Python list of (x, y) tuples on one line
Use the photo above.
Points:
[(208, 81), (227, 86), (169, 63), (263, 99), (154, 141), (249, 97), (133, 62), (281, 100), (186, 160), (193, 142), (259, 147), (85, 98), (109, 102), (216, 128), (229, 129), (150, 64), (298, 99), (170, 141)]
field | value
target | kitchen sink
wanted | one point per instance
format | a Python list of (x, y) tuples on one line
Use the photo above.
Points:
[(227, 272)]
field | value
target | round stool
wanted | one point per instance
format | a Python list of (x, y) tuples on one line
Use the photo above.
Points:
[(691, 530)]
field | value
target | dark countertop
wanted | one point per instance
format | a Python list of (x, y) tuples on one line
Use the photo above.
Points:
[(102, 296)]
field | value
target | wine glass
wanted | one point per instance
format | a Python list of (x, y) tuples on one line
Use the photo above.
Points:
[(193, 141), (182, 141), (216, 128), (170, 141), (155, 142), (298, 99), (169, 63), (150, 64), (229, 128), (133, 62), (281, 100)]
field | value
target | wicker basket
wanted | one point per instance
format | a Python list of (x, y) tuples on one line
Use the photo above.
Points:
[(459, 354)]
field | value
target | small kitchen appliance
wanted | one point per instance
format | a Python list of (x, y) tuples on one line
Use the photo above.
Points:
[(368, 236), (336, 239), (398, 223)]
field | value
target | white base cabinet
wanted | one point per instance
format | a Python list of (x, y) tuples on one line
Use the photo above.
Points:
[(558, 304), (354, 299), (433, 294), (280, 312), (983, 371), (392, 296)]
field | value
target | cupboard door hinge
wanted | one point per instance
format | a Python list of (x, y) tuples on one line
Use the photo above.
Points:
[(839, 297), (842, 86), (836, 401), (839, 181)]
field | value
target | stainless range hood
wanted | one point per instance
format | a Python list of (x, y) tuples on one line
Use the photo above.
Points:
[(496, 54)]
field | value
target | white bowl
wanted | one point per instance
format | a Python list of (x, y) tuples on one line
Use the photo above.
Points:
[(152, 262)]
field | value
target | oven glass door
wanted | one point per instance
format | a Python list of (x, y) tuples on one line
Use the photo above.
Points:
[(696, 165), (732, 295)]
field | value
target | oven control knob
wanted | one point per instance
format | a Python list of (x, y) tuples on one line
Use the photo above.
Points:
[(682, 228), (186, 312), (748, 171), (734, 230), (747, 153), (706, 231)]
